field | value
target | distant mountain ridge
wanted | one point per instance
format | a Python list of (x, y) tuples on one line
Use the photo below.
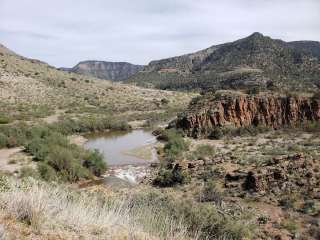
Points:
[(256, 60), (312, 47), (116, 71)]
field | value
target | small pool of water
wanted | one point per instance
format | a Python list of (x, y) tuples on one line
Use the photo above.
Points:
[(124, 147)]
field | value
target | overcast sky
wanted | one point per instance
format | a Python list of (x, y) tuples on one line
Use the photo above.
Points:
[(64, 32)]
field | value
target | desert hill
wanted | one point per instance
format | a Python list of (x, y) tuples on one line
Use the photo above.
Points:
[(106, 70), (254, 61), (28, 84)]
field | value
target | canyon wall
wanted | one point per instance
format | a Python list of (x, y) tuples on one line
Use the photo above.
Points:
[(207, 114)]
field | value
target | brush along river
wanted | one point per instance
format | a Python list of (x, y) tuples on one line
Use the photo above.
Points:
[(127, 153)]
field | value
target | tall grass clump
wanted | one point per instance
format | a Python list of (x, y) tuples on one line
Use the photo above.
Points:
[(204, 220), (57, 208)]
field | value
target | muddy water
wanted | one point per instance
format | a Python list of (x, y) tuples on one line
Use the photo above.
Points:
[(127, 154)]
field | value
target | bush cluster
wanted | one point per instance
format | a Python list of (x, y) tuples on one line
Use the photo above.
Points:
[(4, 119), (90, 124), (62, 160), (251, 130), (169, 178), (175, 145), (210, 193), (202, 152), (312, 127), (253, 91), (12, 136), (49, 145)]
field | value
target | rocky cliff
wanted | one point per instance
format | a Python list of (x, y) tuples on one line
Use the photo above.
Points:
[(106, 70), (211, 112)]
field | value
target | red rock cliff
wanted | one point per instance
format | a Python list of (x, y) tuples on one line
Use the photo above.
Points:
[(206, 114)]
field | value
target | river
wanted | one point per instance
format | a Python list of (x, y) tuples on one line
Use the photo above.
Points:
[(127, 153)]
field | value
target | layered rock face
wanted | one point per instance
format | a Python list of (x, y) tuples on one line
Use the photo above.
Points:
[(207, 114)]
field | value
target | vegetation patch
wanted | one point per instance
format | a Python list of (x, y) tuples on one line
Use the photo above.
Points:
[(175, 145)]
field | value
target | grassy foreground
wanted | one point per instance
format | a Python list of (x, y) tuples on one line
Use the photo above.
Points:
[(37, 210)]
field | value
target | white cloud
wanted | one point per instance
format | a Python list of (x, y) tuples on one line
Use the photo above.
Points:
[(64, 32)]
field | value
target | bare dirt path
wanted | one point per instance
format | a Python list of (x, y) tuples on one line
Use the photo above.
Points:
[(5, 155)]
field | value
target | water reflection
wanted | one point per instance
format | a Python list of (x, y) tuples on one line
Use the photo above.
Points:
[(124, 148)]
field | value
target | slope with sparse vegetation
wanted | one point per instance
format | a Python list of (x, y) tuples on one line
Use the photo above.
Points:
[(254, 61)]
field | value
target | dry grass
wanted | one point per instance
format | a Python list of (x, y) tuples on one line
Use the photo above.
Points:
[(26, 84), (57, 209)]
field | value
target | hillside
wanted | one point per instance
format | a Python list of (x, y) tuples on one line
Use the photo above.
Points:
[(106, 70), (255, 61), (311, 47), (31, 89), (253, 182)]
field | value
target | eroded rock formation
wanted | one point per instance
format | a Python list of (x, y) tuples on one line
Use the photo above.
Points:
[(210, 113)]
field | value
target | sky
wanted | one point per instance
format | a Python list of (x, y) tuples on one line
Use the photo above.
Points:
[(64, 32)]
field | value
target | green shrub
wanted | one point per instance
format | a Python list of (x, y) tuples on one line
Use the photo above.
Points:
[(290, 224), (95, 163), (253, 91), (89, 124), (3, 140), (195, 100), (46, 172), (164, 178), (169, 178), (60, 158), (204, 151), (175, 146), (4, 119), (217, 133), (165, 135), (312, 127), (16, 135), (37, 132), (289, 200), (251, 130), (49, 144), (210, 193), (66, 163), (38, 149), (309, 207)]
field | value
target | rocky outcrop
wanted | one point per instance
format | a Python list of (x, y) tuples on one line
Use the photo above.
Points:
[(285, 174), (209, 113), (106, 70)]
